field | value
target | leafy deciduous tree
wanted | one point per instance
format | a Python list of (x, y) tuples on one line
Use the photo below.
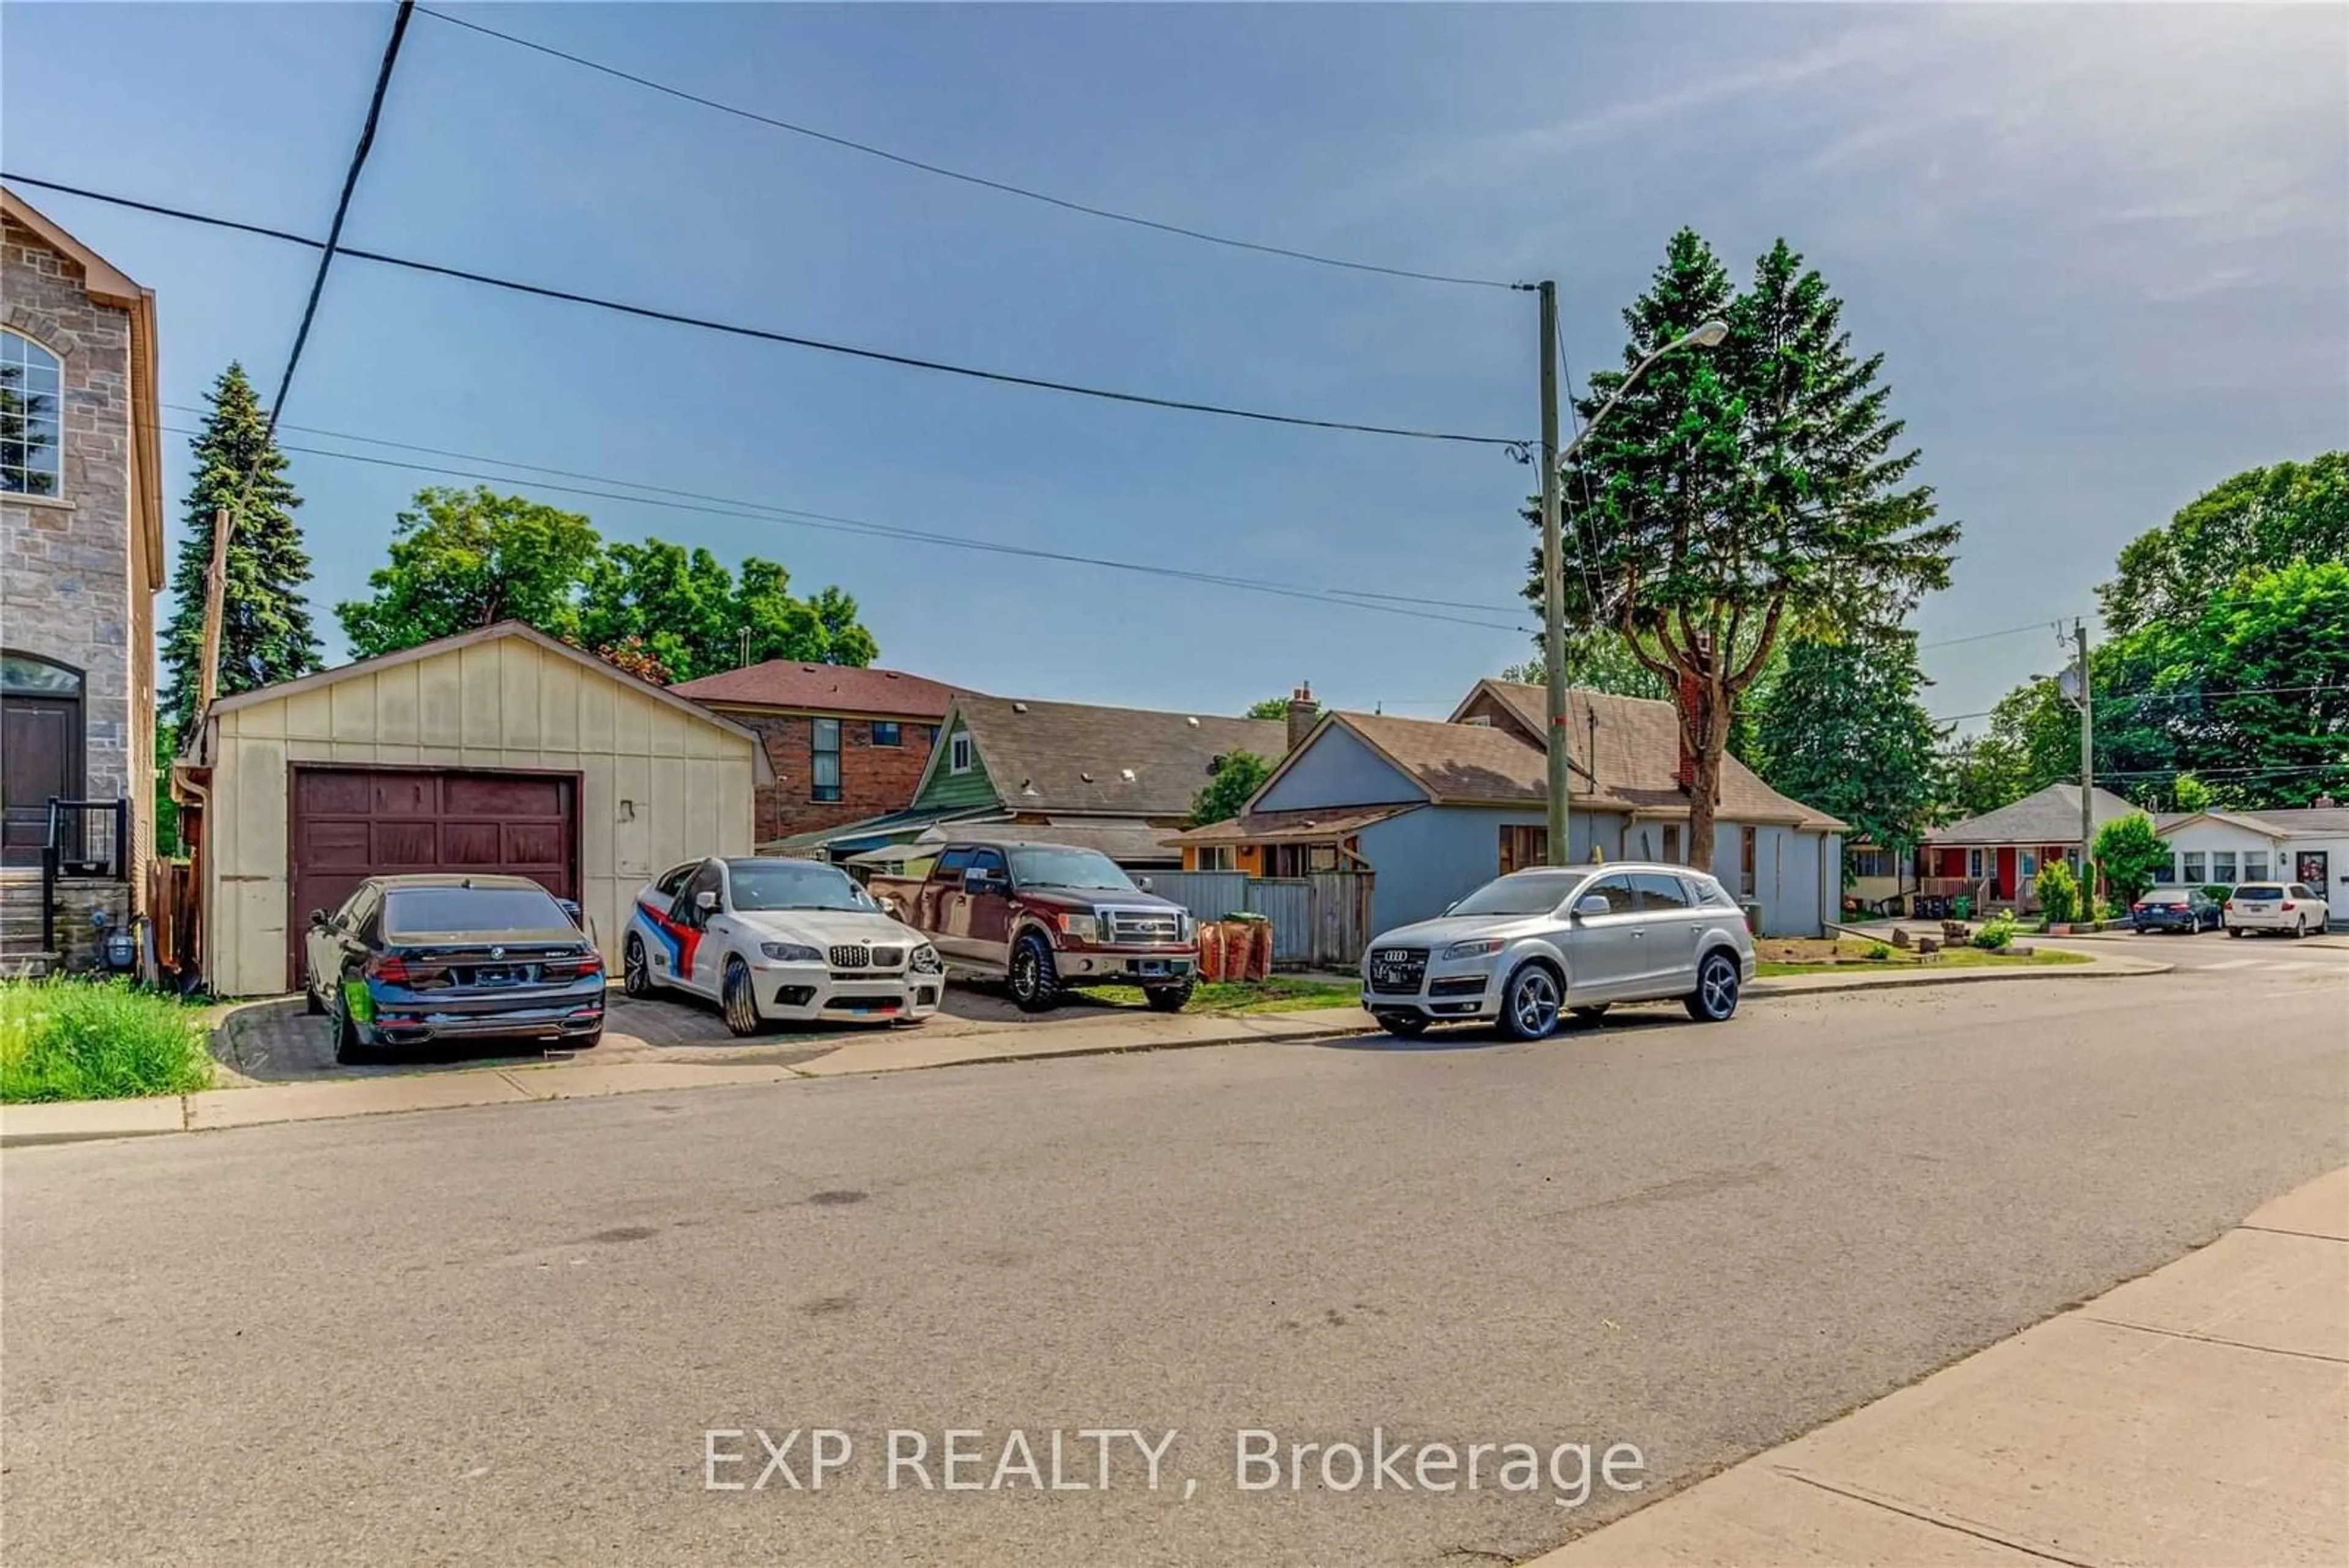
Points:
[(1237, 777), (2128, 853), (2265, 517), (1843, 729), (466, 560)]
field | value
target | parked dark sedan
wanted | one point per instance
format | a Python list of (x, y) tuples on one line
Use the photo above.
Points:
[(2175, 910), (409, 959)]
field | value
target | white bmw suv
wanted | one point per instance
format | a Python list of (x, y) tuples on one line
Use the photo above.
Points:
[(1523, 948)]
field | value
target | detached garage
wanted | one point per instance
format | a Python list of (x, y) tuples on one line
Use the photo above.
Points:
[(499, 751)]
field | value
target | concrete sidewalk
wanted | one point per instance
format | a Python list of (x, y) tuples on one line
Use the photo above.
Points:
[(2197, 1416)]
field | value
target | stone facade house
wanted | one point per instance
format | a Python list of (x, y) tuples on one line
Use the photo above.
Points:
[(81, 556), (844, 744)]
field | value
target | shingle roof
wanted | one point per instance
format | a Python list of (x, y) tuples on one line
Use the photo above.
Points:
[(822, 689), (1128, 762), (1637, 767), (2286, 821), (1456, 762), (1311, 826), (2050, 816)]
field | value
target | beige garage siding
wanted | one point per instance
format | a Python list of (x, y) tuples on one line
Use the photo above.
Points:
[(658, 783)]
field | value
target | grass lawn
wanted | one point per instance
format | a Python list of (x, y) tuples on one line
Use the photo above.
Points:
[(98, 1040), (1790, 955), (1282, 993)]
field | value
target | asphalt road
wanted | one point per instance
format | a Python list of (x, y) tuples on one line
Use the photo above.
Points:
[(499, 1335)]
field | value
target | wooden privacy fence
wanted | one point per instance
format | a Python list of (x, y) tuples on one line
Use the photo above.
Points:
[(1320, 920)]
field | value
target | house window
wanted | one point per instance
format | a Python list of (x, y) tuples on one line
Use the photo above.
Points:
[(1215, 857), (1870, 862), (2194, 878), (1974, 863), (2166, 874), (886, 733), (31, 430), (1745, 851), (2222, 867), (958, 753), (827, 759), (2255, 865), (1523, 846)]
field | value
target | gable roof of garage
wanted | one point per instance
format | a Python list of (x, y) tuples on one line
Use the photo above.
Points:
[(763, 771)]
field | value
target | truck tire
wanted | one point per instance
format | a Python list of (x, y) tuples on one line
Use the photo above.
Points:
[(1035, 983), (1168, 998)]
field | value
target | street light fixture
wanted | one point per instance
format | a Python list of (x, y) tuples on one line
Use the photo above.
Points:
[(1706, 336)]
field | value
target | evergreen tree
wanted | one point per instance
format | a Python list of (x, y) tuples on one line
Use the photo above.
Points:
[(1843, 729), (266, 632), (1756, 489)]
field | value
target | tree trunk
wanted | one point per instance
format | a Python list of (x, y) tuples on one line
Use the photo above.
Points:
[(1712, 727)]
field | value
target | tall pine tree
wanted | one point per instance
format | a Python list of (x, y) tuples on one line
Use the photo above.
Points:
[(265, 634)]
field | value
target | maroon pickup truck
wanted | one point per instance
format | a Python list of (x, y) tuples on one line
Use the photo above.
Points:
[(1041, 918)]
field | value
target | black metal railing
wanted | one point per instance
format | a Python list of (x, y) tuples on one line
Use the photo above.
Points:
[(86, 838)]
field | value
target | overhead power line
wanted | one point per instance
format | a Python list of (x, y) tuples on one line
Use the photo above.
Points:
[(789, 339), (1989, 636), (831, 523), (942, 173)]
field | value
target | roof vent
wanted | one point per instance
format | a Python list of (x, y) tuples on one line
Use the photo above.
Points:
[(1478, 721), (1019, 707), (1125, 774), (1027, 786), (1192, 721), (1087, 777)]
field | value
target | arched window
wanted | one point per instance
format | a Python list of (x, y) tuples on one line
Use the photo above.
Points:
[(32, 425)]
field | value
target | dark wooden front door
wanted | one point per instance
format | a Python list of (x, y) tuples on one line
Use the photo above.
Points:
[(346, 825), (40, 756)]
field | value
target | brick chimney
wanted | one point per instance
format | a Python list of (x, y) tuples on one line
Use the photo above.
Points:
[(1689, 693), (1302, 713)]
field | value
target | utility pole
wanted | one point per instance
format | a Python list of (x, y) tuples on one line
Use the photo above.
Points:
[(215, 587), (1553, 586), (2087, 770)]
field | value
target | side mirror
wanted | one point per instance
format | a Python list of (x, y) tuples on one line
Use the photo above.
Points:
[(1142, 883), (317, 918), (705, 901), (1592, 904), (891, 908), (570, 907), (976, 881)]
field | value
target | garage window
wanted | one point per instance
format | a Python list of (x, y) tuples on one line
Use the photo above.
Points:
[(827, 759)]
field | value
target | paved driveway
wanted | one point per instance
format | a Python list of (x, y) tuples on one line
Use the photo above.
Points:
[(276, 1041)]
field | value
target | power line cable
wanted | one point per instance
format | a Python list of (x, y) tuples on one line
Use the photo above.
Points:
[(730, 500), (1989, 636), (1004, 187), (757, 511), (788, 340)]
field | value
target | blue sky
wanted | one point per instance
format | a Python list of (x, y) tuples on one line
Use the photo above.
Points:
[(2105, 250)]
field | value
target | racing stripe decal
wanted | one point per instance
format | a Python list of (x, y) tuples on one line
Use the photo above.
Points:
[(681, 940)]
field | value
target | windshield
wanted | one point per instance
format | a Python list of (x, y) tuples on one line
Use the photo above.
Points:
[(1051, 867), (794, 885), (1524, 893), (421, 912), (2259, 890)]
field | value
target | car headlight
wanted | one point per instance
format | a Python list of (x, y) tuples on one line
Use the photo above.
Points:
[(925, 959), (1085, 928), (792, 953), (1482, 946)]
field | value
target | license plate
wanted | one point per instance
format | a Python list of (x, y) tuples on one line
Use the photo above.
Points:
[(495, 974), (1385, 973), (2257, 908), (1151, 966)]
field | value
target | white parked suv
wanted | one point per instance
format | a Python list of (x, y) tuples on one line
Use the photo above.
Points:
[(778, 939), (2275, 907), (1520, 949)]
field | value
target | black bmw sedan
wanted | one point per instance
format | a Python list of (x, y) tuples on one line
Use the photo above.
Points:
[(409, 959)]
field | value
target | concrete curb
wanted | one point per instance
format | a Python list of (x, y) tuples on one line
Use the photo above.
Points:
[(212, 1110), (1778, 989)]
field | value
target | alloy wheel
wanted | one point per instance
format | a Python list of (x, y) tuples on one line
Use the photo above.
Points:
[(1533, 1004), (1717, 988), (741, 1007), (634, 980)]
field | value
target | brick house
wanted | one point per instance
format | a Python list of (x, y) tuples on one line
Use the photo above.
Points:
[(844, 744), (81, 556)]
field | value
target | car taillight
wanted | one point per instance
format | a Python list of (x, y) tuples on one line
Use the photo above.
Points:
[(2229, 906), (2287, 903), (577, 968), (391, 968)]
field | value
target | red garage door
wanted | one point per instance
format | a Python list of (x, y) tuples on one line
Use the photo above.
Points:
[(350, 823)]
